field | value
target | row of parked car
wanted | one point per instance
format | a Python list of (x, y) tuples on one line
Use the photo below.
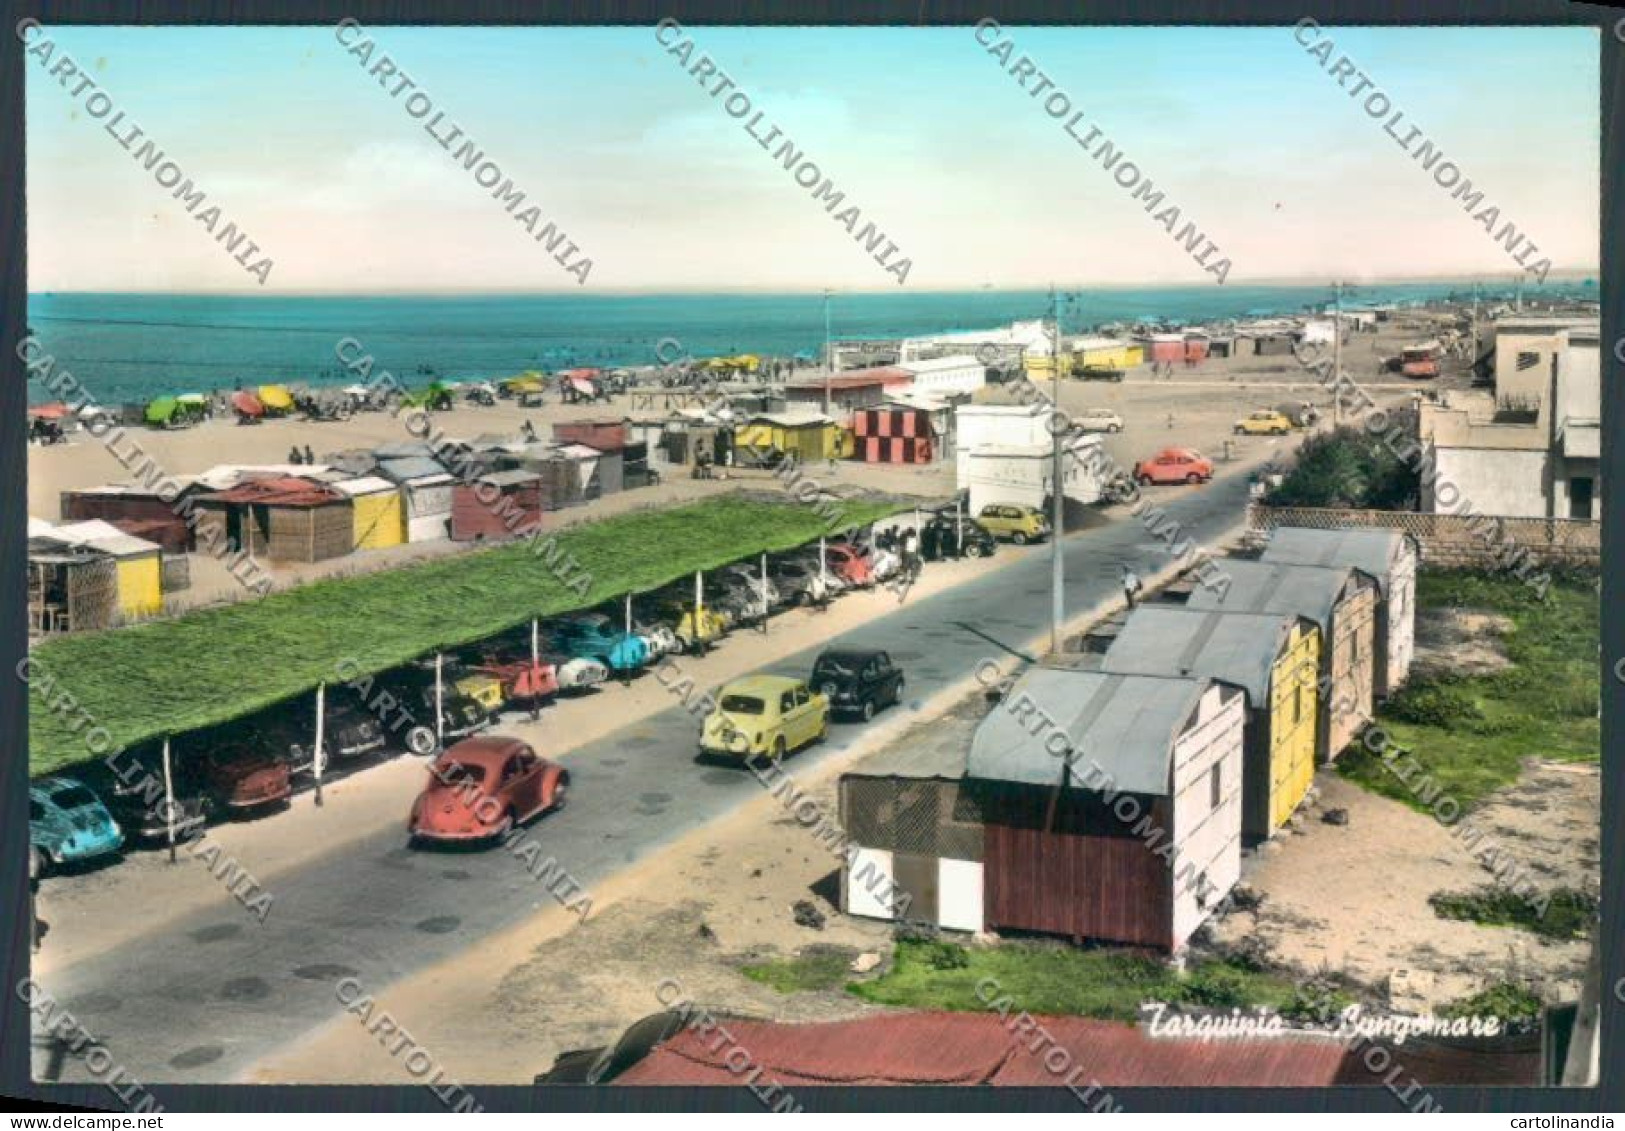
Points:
[(254, 764)]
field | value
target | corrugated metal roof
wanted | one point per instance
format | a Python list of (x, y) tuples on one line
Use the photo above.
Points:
[(1238, 648), (104, 536), (282, 492), (1123, 724), (923, 759), (365, 485), (967, 1049), (1271, 587), (1370, 550), (413, 467)]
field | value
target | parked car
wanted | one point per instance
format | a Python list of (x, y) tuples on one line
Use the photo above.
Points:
[(849, 564), (733, 600), (522, 682), (800, 581), (1099, 373), (135, 793), (1020, 524), (764, 714), (749, 577), (576, 673), (349, 731), (660, 639), (484, 687), (857, 680), (482, 788), (1264, 422), (833, 582), (593, 636), (695, 633), (68, 823), (248, 772), (941, 538), (1174, 465), (1099, 420), (413, 688)]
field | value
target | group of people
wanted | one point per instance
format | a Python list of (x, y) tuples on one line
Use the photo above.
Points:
[(307, 458)]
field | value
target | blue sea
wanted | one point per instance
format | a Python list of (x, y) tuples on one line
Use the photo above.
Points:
[(132, 347)]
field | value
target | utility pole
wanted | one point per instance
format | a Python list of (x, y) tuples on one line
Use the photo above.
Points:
[(1337, 354), (1057, 500), (829, 356), (1473, 361)]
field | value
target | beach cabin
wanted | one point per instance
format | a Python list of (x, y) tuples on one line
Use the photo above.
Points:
[(894, 433), (850, 389), (136, 509), (915, 839), (1106, 353), (605, 435), (1274, 660), (70, 588), (283, 518), (138, 564), (377, 511), (1166, 347), (589, 472), (768, 437), (1119, 823), (428, 505), (1342, 603), (502, 504), (1021, 476), (1196, 347), (1391, 557)]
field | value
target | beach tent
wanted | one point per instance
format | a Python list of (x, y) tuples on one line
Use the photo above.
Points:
[(276, 399), (162, 412), (247, 404)]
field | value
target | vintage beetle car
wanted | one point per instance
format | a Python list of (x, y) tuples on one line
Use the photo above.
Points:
[(799, 580), (1174, 465), (764, 714), (858, 681), (482, 788), (245, 770), (850, 564), (413, 687), (592, 636), (349, 731), (748, 577), (131, 783), (575, 673), (68, 823)]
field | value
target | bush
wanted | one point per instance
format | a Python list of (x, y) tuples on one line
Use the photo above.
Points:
[(1437, 703), (1514, 1004), (944, 956), (1215, 985), (1569, 913), (1350, 467)]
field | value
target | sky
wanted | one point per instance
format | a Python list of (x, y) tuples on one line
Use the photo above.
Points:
[(922, 129)]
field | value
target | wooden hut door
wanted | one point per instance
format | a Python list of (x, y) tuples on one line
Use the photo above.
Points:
[(917, 876)]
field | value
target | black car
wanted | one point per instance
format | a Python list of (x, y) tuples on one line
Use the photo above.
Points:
[(349, 730), (413, 689), (131, 785), (941, 536), (857, 681)]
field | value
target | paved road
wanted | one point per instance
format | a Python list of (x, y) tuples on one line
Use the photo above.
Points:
[(211, 993)]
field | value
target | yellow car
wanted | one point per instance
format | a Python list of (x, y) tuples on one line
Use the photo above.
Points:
[(1264, 422), (1020, 524), (486, 690), (765, 714), (697, 633)]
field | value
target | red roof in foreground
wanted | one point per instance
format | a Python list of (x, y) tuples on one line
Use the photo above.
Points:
[(980, 1048), (282, 492), (858, 379)]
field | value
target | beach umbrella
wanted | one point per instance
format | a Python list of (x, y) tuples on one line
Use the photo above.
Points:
[(276, 398), (247, 404), (192, 398), (56, 410), (162, 410)]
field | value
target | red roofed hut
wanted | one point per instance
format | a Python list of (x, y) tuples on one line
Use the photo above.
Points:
[(284, 518), (502, 504)]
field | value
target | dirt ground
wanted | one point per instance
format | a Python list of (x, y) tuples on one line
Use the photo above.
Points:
[(1197, 408)]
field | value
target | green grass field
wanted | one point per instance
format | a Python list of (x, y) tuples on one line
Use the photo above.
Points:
[(1472, 734), (214, 665), (1060, 980)]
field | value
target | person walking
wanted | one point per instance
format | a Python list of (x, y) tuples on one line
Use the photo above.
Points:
[(293, 455), (1131, 585), (310, 456)]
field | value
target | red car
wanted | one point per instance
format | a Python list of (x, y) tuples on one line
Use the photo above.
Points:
[(1174, 465), (242, 779), (483, 787), (522, 681), (849, 565)]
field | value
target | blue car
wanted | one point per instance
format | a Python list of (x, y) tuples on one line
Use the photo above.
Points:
[(595, 637), (68, 823)]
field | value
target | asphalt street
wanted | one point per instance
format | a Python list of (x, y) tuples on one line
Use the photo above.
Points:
[(207, 996)]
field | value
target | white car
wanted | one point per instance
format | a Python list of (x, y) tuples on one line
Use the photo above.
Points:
[(752, 577), (1099, 420), (660, 639), (576, 673), (884, 564)]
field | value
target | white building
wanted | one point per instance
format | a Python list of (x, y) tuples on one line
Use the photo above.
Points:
[(1020, 475), (996, 425), (1012, 344), (945, 376), (1532, 449)]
